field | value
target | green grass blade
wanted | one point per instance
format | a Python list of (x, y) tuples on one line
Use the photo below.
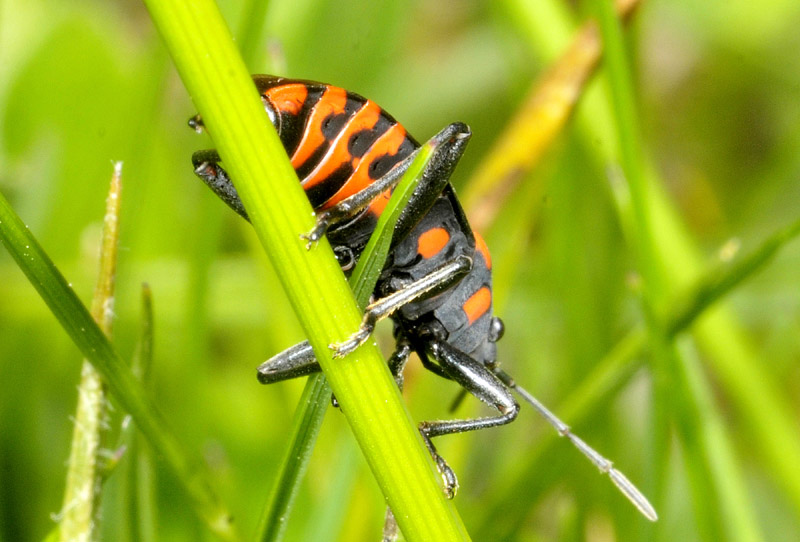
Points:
[(370, 264), (640, 233), (311, 409), (712, 464), (316, 394), (721, 280), (81, 511), (631, 152), (216, 78), (139, 486), (93, 344)]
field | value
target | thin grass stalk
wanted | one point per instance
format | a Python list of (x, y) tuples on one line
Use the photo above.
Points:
[(139, 486), (752, 392), (631, 152), (81, 509), (94, 345), (219, 84), (536, 125), (639, 230), (712, 464), (668, 362), (640, 236)]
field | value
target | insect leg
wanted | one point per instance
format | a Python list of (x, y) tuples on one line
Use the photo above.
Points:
[(452, 142), (429, 285), (295, 361), (206, 166), (398, 361), (299, 360), (476, 378), (449, 145)]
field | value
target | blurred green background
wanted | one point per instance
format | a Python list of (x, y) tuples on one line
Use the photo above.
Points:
[(718, 90)]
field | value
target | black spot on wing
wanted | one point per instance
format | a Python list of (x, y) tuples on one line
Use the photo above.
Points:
[(381, 165), (323, 191), (334, 123), (361, 141), (331, 126)]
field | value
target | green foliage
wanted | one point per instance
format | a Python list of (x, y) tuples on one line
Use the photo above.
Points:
[(314, 401), (214, 74), (708, 429)]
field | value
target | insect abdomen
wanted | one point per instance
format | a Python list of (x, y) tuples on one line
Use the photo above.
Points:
[(338, 141)]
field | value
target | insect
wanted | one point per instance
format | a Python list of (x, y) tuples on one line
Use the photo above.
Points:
[(436, 284)]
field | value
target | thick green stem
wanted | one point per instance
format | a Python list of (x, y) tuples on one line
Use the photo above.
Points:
[(217, 80), (316, 394)]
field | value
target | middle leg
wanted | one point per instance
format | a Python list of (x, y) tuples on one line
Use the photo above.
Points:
[(434, 283)]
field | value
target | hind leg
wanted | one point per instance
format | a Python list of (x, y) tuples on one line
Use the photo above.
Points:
[(477, 379)]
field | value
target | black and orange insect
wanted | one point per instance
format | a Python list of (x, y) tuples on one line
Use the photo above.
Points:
[(436, 283)]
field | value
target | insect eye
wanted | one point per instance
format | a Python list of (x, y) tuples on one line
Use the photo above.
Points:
[(497, 329), (345, 257)]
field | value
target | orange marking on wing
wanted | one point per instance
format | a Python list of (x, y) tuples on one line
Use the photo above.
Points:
[(482, 249), (288, 98), (388, 143), (431, 242), (364, 119), (332, 102), (379, 204), (478, 303)]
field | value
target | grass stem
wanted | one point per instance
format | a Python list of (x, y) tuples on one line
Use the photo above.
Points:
[(216, 78)]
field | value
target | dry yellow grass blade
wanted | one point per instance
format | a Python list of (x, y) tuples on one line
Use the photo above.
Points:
[(536, 125)]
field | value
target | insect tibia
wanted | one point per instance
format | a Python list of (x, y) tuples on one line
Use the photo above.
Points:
[(620, 480)]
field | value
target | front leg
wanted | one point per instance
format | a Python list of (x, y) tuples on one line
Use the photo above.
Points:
[(448, 146), (206, 166), (295, 361)]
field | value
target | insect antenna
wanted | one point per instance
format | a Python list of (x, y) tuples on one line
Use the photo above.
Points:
[(620, 480)]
